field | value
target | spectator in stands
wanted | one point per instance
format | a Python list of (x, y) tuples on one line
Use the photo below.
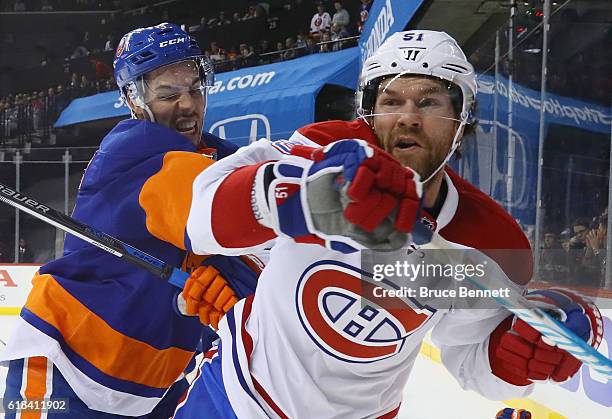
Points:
[(580, 229), (300, 41), (301, 45), (66, 67), (264, 46), (85, 87), (11, 115), (62, 98), (320, 22), (553, 260), (341, 18), (311, 46), (233, 63), (338, 32), (325, 44), (251, 13), (364, 12), (594, 258), (74, 85), (580, 271), (289, 53), (247, 55), (38, 106), (50, 104), (236, 18), (25, 255), (220, 20), (110, 43), (216, 53), (279, 47)]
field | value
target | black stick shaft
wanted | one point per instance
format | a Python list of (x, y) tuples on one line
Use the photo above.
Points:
[(92, 236)]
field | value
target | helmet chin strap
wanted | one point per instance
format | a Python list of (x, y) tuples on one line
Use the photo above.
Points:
[(146, 109), (149, 113), (452, 150)]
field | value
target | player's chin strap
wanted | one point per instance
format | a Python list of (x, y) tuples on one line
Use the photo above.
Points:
[(454, 146)]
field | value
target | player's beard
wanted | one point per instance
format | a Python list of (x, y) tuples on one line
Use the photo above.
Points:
[(424, 160)]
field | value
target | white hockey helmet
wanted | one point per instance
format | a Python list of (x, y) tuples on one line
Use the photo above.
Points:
[(429, 53)]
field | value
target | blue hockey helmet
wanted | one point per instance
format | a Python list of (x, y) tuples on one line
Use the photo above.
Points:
[(146, 49)]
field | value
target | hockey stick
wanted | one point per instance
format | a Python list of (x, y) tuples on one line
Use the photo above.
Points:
[(537, 318), (99, 239)]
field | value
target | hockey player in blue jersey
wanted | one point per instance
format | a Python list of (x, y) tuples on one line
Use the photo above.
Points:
[(95, 330)]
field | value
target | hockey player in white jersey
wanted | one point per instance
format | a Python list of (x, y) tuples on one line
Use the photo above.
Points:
[(307, 344)]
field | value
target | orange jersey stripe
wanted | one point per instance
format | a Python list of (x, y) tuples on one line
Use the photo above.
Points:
[(36, 384), (113, 353), (166, 196)]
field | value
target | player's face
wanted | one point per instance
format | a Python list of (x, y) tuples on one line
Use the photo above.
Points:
[(415, 122), (174, 95)]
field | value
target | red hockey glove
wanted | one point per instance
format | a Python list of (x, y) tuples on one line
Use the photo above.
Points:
[(378, 183), (345, 196), (519, 354), (208, 296)]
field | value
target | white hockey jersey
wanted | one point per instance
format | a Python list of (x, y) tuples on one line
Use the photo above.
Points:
[(306, 345)]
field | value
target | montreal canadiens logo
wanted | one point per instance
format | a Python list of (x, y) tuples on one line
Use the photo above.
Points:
[(343, 323)]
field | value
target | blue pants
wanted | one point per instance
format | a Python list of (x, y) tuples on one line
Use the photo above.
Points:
[(76, 408), (207, 393)]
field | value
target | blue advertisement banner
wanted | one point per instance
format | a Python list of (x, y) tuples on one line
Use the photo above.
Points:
[(266, 101), (385, 17), (91, 108)]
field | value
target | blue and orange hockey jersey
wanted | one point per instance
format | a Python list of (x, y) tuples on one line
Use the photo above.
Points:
[(108, 326)]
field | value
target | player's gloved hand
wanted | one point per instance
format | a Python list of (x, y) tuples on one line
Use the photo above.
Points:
[(347, 196), (510, 413), (207, 295), (519, 354)]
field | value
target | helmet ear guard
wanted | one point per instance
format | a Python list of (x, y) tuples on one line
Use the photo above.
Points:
[(131, 92), (365, 98)]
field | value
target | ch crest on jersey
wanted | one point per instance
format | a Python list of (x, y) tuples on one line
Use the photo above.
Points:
[(343, 323)]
